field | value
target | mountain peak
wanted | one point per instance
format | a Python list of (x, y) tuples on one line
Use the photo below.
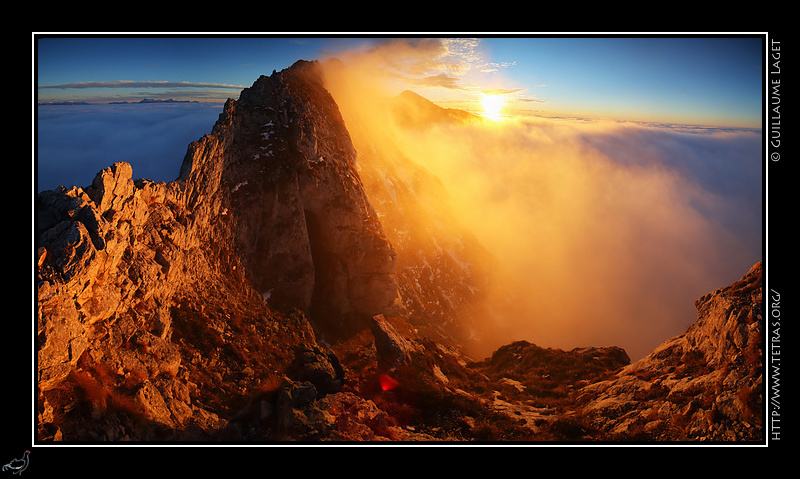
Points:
[(286, 135), (413, 110)]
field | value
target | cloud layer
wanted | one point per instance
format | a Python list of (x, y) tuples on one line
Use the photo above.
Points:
[(137, 84), (607, 232), (75, 142), (425, 63)]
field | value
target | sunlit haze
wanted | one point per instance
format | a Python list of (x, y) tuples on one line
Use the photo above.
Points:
[(618, 180), (492, 106)]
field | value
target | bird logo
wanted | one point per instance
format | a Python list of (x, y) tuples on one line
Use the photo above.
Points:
[(18, 465)]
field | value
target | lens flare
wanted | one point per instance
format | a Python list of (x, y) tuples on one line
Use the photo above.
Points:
[(387, 382), (492, 106)]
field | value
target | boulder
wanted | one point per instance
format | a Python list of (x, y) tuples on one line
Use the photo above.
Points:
[(392, 349), (318, 366)]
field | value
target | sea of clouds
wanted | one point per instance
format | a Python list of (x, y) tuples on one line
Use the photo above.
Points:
[(609, 230), (74, 142), (614, 228)]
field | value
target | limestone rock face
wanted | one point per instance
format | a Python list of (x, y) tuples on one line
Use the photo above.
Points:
[(278, 173), (391, 348), (141, 282), (101, 254), (706, 384)]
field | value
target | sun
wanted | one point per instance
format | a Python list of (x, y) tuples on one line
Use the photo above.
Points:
[(492, 106)]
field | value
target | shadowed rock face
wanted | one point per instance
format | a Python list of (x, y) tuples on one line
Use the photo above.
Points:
[(279, 169)]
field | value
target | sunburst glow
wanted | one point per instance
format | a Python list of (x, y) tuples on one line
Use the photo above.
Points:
[(492, 106)]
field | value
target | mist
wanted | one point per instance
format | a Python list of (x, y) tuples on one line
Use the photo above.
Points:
[(605, 232), (606, 246), (74, 142)]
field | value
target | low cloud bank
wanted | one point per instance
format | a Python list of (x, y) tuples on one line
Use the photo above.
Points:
[(74, 142), (606, 232)]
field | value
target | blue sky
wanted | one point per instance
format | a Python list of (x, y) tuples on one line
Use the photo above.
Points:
[(678, 79), (700, 80)]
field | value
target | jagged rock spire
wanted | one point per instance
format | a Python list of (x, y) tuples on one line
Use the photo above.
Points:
[(279, 167)]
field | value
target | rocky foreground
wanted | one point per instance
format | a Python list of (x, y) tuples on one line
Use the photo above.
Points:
[(262, 297)]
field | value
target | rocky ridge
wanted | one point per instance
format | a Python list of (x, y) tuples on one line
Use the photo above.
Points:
[(267, 294), (706, 384)]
